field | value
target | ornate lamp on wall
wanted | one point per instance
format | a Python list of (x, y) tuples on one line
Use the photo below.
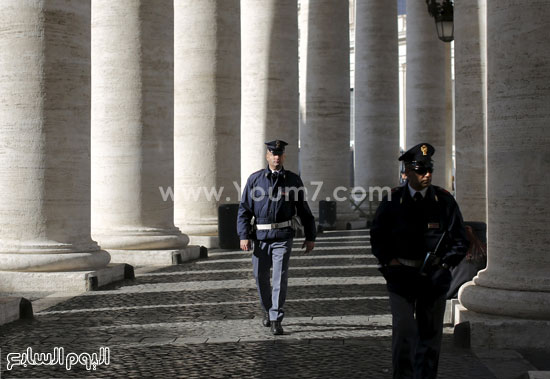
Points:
[(442, 12)]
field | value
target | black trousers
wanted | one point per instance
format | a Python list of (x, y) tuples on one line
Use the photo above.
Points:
[(417, 329)]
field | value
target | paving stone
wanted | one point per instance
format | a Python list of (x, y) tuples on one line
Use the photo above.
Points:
[(222, 340), (327, 341), (190, 340), (195, 322), (157, 340), (125, 339)]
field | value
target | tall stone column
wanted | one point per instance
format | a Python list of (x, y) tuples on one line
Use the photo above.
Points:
[(516, 282), (449, 118), (426, 94), (207, 111), (132, 130), (269, 69), (45, 143), (376, 94), (471, 107), (325, 103)]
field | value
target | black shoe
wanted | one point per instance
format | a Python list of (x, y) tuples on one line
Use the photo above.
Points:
[(276, 328), (265, 320)]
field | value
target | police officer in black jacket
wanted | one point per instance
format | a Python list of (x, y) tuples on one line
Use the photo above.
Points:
[(416, 219), (272, 198)]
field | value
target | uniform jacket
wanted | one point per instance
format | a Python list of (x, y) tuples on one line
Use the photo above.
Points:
[(403, 229), (282, 200)]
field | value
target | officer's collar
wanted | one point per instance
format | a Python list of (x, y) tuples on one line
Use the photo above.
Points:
[(430, 193), (268, 172), (412, 191)]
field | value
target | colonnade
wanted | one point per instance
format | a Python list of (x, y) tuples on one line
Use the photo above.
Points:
[(108, 108)]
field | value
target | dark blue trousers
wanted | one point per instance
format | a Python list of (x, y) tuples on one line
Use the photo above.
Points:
[(272, 254)]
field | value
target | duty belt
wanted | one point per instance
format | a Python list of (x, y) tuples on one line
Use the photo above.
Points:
[(277, 225), (410, 262)]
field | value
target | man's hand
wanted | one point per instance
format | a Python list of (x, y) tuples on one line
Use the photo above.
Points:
[(309, 245), (246, 245)]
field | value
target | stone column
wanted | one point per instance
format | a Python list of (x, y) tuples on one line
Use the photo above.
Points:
[(269, 68), (426, 77), (132, 130), (516, 282), (376, 94), (207, 111), (449, 118), (45, 145), (325, 102), (471, 107)]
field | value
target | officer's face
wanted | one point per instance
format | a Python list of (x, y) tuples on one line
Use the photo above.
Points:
[(418, 181), (275, 161)]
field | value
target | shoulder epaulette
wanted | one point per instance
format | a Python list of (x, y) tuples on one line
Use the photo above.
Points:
[(397, 192), (441, 189), (257, 172)]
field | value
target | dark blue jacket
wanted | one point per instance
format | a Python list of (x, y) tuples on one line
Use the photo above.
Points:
[(272, 200)]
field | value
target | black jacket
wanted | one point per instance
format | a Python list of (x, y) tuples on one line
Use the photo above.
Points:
[(403, 229)]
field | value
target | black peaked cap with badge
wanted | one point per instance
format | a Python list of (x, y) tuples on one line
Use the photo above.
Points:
[(419, 155), (277, 146)]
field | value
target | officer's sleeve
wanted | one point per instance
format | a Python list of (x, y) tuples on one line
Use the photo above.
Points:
[(458, 243), (380, 233), (304, 212), (246, 212)]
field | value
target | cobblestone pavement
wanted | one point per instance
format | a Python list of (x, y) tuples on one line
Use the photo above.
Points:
[(202, 320)]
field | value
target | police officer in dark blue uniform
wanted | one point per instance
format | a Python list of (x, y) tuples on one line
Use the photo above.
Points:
[(266, 223), (418, 218)]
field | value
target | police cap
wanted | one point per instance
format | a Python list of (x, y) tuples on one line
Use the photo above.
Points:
[(277, 146), (419, 155)]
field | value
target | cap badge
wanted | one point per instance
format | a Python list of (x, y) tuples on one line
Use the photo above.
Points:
[(424, 149), (278, 144)]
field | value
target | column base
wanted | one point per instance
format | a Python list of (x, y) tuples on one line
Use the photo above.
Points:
[(14, 308), (525, 304), (499, 332), (200, 226), (49, 260), (61, 281), (208, 241), (141, 239), (155, 257)]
